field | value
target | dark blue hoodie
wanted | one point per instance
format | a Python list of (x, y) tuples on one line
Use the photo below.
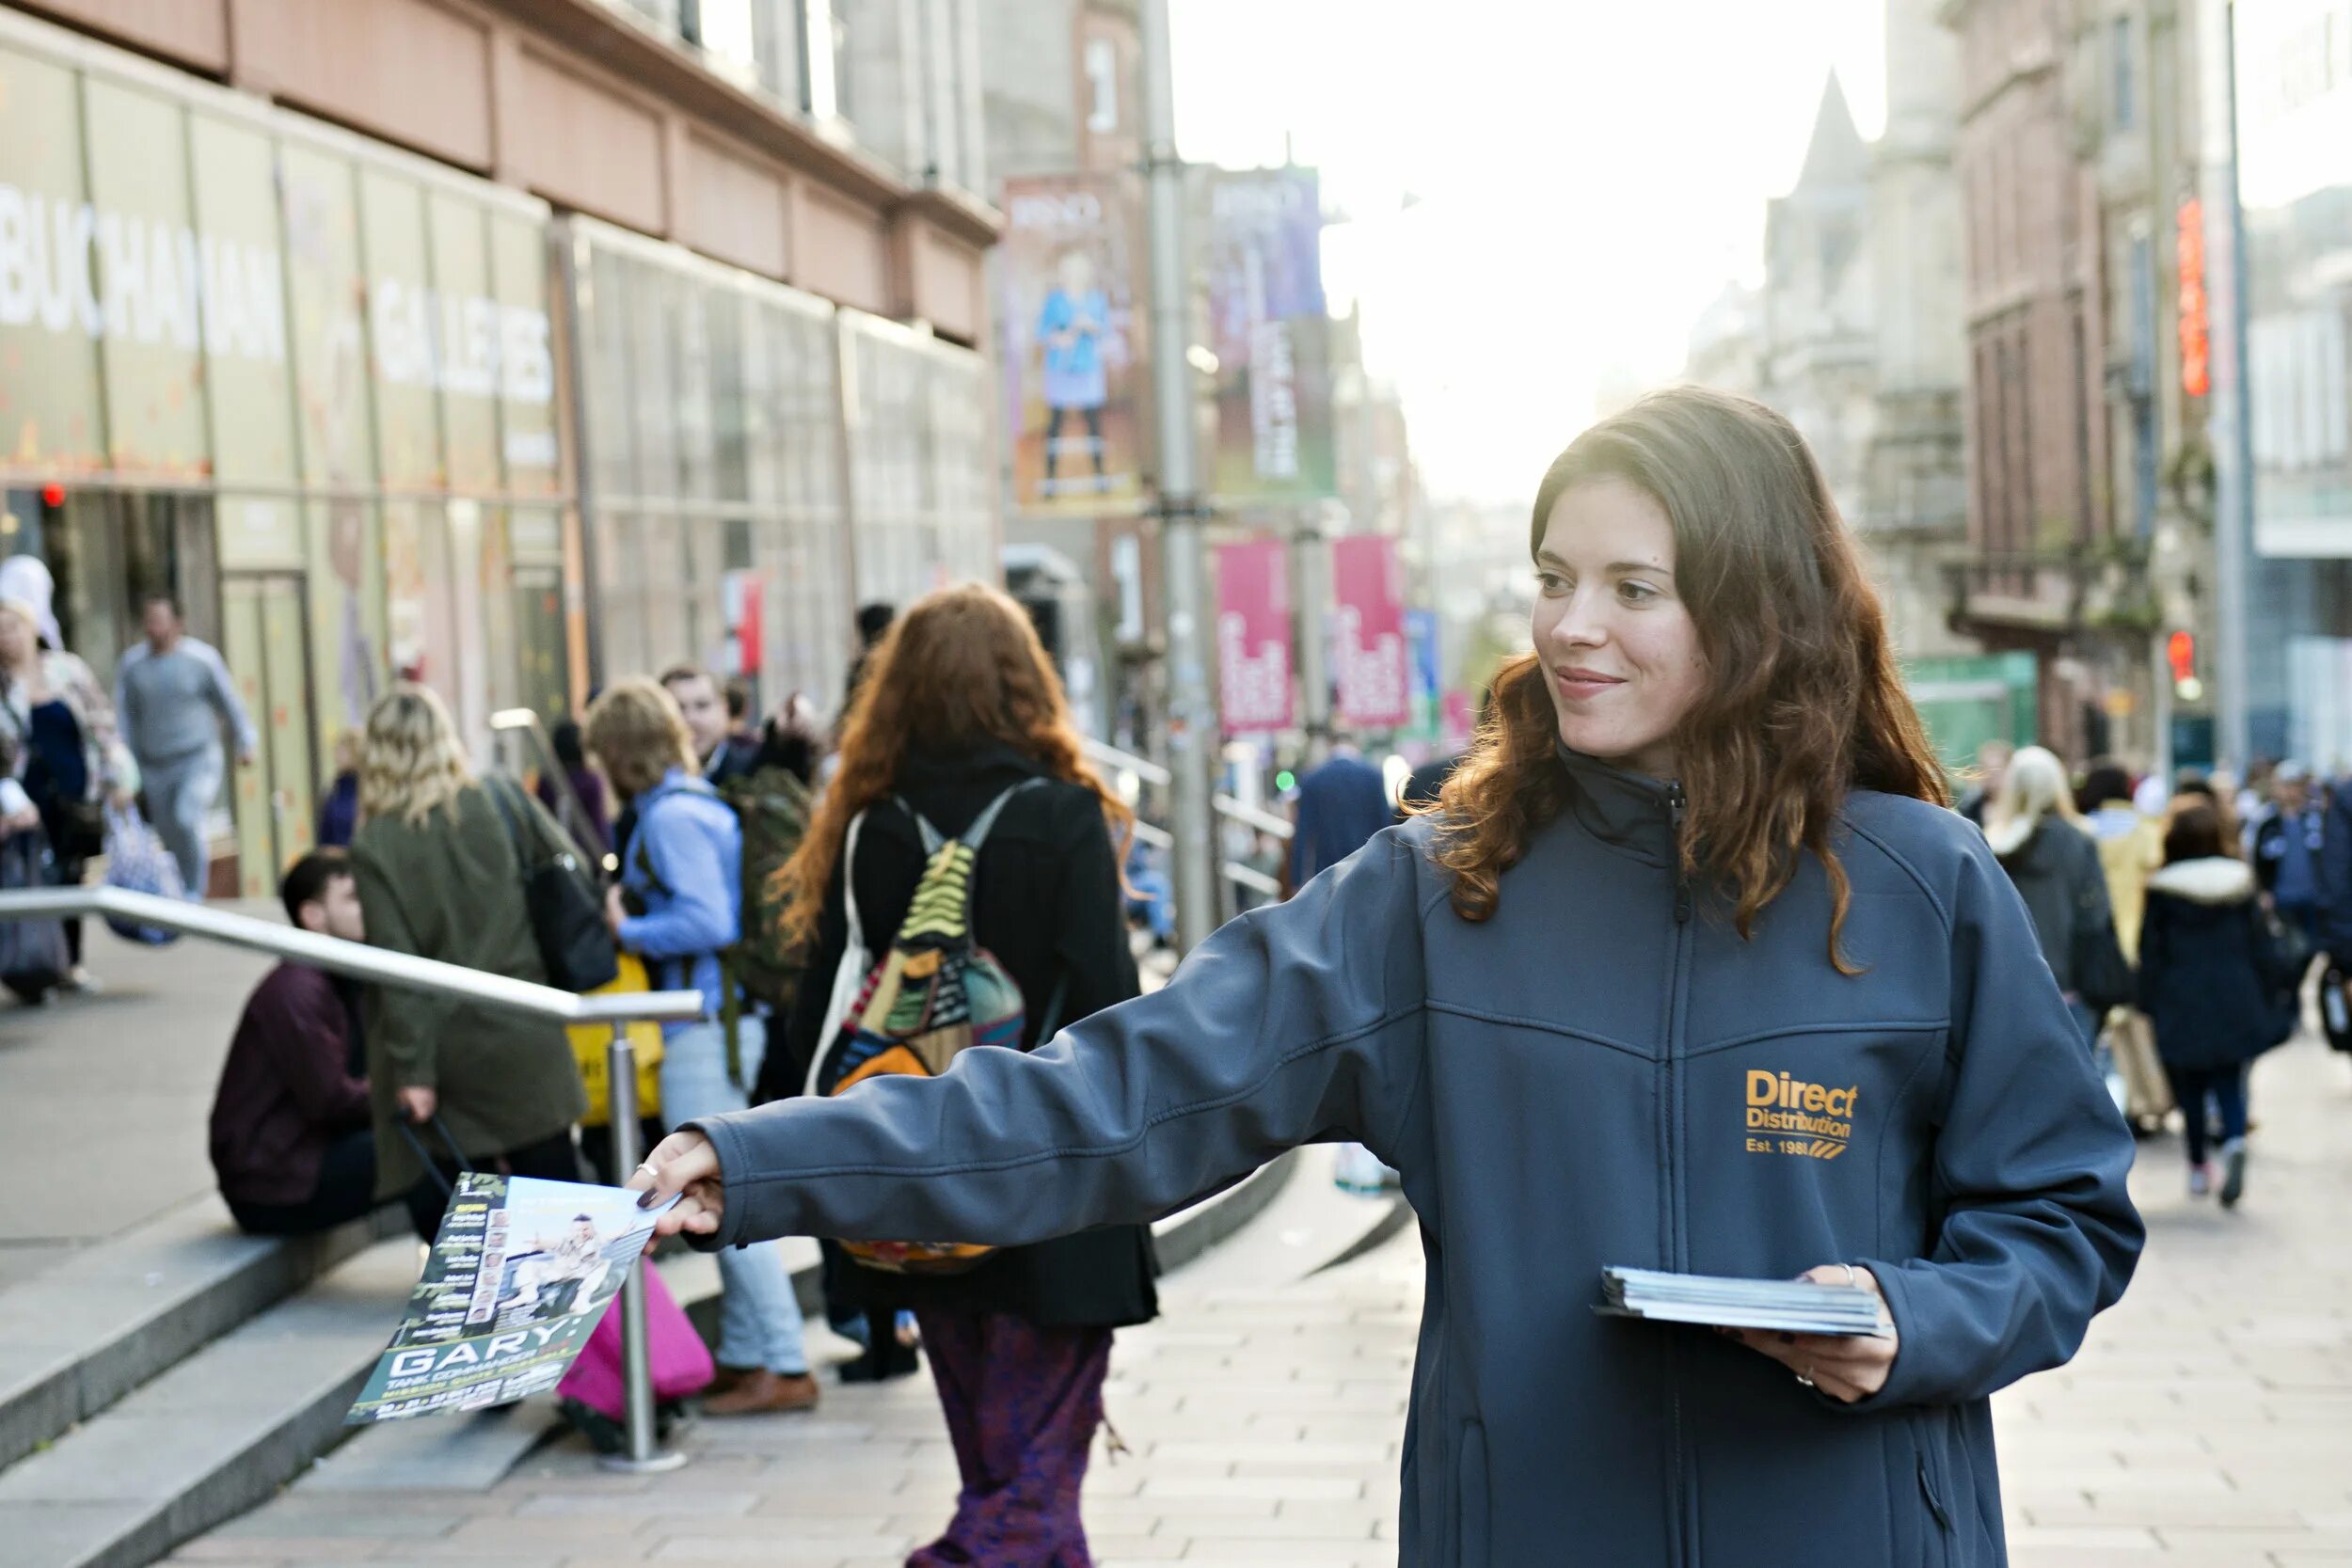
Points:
[(1340, 805), (1603, 1073)]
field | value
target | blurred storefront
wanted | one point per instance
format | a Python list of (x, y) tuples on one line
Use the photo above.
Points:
[(374, 399), (2293, 102), (302, 381), (759, 461)]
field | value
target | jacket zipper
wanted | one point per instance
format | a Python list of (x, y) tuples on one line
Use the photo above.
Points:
[(1675, 803)]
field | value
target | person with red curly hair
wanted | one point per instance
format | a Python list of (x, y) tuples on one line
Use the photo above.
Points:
[(1692, 969), (960, 717)]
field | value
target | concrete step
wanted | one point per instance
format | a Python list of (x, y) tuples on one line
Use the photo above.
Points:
[(475, 1453), (213, 1434), (1309, 1225), (77, 1337), (222, 1428)]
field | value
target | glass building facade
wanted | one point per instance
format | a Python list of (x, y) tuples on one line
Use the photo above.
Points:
[(2293, 102), (759, 462), (370, 418)]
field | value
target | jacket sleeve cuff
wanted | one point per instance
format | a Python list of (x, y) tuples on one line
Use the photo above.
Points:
[(726, 1141), (1912, 1379)]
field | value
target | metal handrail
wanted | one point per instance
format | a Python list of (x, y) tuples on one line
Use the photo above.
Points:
[(354, 958), (1154, 774), (1160, 838), (410, 972)]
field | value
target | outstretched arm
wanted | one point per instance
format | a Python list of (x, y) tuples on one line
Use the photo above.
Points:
[(1291, 1025)]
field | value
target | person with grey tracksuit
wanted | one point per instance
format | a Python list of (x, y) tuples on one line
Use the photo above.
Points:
[(1691, 969), (172, 695)]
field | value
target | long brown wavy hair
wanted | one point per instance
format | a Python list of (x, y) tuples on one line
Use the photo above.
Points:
[(962, 669), (1803, 700)]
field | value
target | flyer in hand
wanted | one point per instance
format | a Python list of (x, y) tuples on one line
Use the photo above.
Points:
[(513, 1287)]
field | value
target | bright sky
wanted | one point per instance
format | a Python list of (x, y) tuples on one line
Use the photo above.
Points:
[(1590, 174)]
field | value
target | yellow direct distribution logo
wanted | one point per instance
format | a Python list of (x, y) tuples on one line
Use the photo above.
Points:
[(1788, 1115)]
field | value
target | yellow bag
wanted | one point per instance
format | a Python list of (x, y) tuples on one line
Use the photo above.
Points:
[(590, 1041)]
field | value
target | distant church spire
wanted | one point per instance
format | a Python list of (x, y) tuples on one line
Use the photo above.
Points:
[(1836, 155)]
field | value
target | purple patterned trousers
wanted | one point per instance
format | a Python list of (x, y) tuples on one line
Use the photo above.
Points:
[(1022, 1403)]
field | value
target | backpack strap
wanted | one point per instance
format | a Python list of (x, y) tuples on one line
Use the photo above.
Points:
[(984, 824), (850, 972), (933, 838)]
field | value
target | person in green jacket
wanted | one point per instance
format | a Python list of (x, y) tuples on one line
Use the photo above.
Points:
[(441, 875)]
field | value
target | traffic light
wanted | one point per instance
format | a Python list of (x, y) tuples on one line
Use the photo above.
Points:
[(2180, 652)]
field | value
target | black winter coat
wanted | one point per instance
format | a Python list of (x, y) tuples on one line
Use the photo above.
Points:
[(1046, 902), (2210, 976), (2056, 868)]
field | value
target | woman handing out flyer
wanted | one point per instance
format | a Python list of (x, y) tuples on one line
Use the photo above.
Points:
[(1700, 851)]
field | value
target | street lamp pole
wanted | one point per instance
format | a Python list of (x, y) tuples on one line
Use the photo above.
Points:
[(1192, 731)]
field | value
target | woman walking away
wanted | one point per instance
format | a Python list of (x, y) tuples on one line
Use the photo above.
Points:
[(2131, 848), (1692, 971), (962, 732), (2212, 980), (678, 907), (2040, 843), (439, 862), (70, 759)]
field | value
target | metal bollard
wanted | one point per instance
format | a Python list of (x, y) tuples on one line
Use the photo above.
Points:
[(644, 1456)]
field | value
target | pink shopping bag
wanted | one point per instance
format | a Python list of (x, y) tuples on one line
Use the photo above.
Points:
[(681, 1362)]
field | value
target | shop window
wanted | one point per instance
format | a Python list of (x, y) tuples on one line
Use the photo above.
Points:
[(2119, 65), (1102, 67)]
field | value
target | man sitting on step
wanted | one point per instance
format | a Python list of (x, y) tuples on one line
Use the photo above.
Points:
[(291, 1141)]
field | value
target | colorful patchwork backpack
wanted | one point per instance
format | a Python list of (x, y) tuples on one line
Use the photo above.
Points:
[(934, 995)]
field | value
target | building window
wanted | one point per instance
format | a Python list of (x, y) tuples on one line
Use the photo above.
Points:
[(824, 56), (2119, 65), (1101, 85)]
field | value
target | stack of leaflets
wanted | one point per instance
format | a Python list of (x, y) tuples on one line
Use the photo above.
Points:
[(1785, 1305)]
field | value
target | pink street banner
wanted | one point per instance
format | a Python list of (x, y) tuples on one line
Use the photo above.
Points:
[(1374, 663), (1254, 636)]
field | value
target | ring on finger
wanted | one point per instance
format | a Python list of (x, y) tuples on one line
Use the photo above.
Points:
[(1806, 1376)]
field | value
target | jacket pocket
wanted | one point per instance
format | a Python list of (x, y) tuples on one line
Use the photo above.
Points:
[(1470, 1521), (1935, 1489)]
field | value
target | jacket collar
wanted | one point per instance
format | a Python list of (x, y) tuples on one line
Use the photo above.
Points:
[(2213, 879), (923, 766), (1628, 811)]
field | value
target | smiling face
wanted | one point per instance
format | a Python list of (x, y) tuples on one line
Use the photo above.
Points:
[(1620, 651)]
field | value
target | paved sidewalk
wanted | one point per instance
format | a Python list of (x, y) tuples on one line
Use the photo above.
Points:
[(2208, 1420), (2206, 1423), (104, 1099)]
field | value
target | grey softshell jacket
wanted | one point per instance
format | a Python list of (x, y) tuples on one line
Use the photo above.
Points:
[(1604, 1072)]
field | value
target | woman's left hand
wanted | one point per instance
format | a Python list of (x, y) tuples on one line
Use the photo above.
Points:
[(1847, 1368), (614, 910)]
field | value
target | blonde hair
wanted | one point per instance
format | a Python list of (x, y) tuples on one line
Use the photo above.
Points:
[(411, 762), (2035, 787), (638, 735)]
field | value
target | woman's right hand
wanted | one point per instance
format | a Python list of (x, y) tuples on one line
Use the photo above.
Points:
[(682, 1166), (418, 1103)]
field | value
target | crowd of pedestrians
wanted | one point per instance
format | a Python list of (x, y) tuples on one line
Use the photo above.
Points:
[(2182, 923), (1700, 860)]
